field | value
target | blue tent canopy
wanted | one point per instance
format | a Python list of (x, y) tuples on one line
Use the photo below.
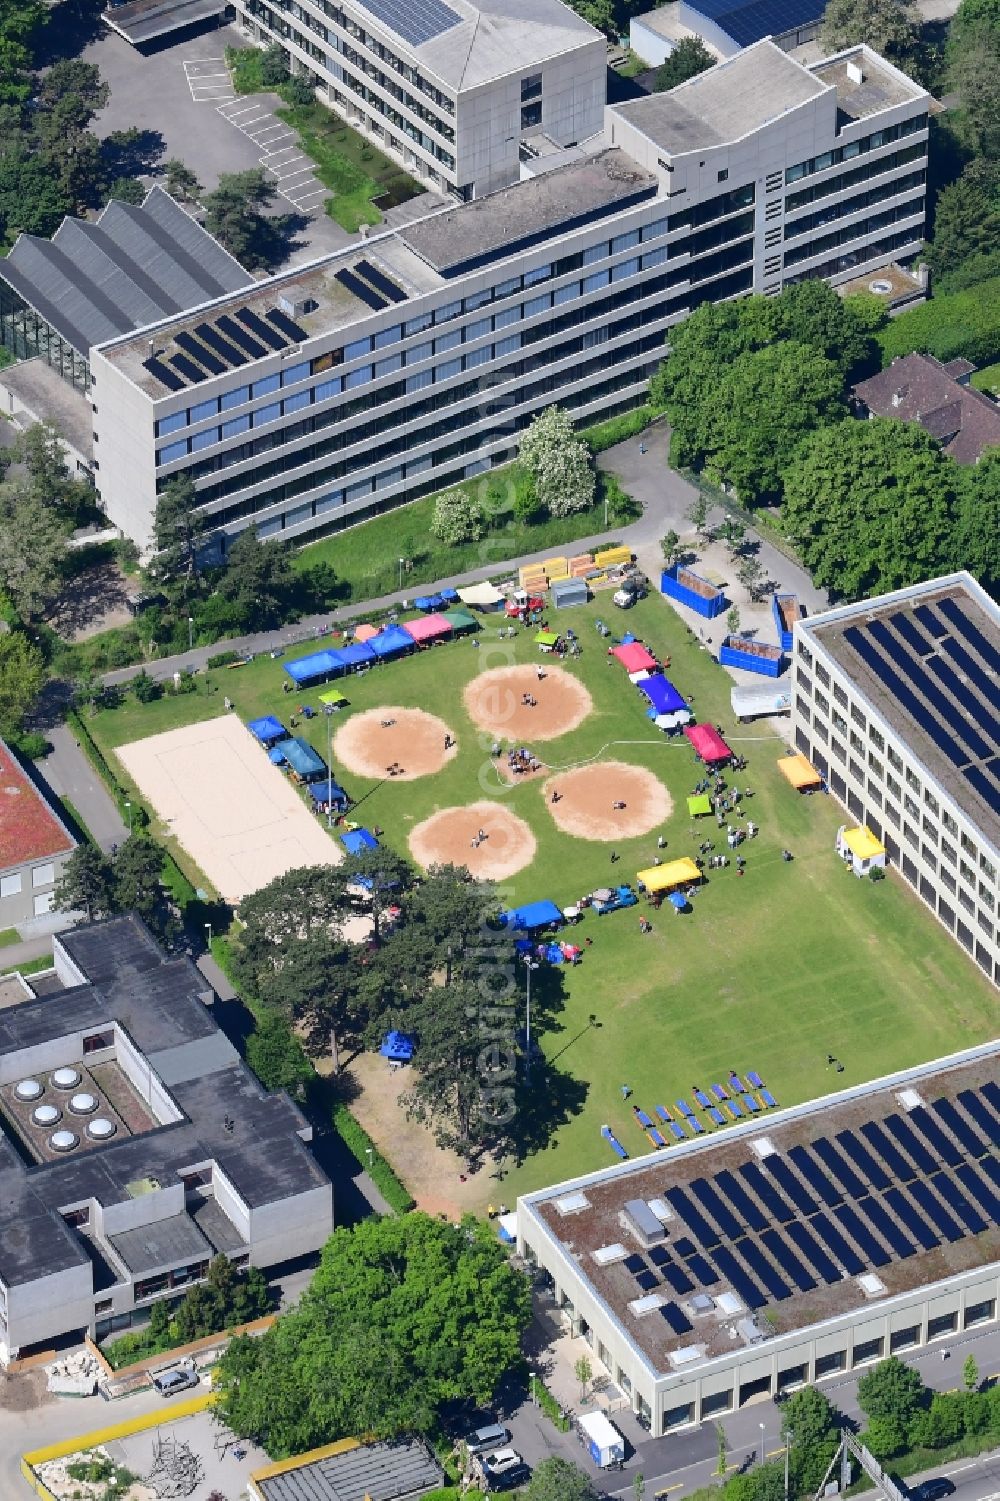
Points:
[(535, 915), (304, 761), (327, 791), (398, 1047), (662, 694), (357, 841), (423, 602), (319, 664), (276, 754), (267, 730), (449, 596), (677, 899), (354, 654), (391, 641)]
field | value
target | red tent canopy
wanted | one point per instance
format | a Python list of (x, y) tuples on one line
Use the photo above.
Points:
[(707, 742), (635, 657), (427, 627)]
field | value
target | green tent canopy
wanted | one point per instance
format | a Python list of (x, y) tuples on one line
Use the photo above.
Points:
[(460, 620)]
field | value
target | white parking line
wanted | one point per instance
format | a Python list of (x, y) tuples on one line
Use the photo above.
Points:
[(270, 131), (209, 98), (292, 170), (274, 150), (244, 109), (207, 72), (309, 202), (246, 125)]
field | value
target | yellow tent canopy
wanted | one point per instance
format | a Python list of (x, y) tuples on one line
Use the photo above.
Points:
[(862, 843), (674, 873), (799, 771), (333, 696)]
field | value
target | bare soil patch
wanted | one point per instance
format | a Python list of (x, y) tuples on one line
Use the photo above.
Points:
[(451, 837), (587, 795), (369, 743), (495, 703)]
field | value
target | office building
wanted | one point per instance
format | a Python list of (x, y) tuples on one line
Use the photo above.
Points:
[(723, 25), (894, 700), (135, 1145), (322, 396), (785, 1249), (34, 846), (455, 91)]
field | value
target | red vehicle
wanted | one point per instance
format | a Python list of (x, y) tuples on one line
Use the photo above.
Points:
[(522, 604)]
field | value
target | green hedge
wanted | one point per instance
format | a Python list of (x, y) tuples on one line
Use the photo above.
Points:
[(965, 324), (616, 429), (356, 1139)]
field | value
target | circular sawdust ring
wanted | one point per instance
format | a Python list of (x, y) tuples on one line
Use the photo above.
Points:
[(494, 701), (411, 739), (587, 795), (451, 837)]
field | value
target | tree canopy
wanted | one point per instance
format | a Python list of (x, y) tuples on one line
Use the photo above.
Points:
[(556, 1479), (402, 1315), (558, 463), (259, 581), (886, 25), (22, 673), (689, 58), (236, 215)]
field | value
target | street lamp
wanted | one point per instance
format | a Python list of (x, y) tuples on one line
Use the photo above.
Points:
[(529, 965), (208, 935), (761, 1426), (402, 565), (190, 632), (128, 810), (369, 1152), (328, 711)]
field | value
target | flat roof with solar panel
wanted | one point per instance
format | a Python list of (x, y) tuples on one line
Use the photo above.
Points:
[(927, 659), (899, 1179)]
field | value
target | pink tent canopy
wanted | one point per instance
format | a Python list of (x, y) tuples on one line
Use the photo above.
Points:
[(427, 627), (635, 657), (365, 632), (707, 742)]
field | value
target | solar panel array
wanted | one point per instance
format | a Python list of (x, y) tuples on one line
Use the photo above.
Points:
[(416, 21), (748, 23), (942, 671), (788, 1223), (227, 344), (370, 285)]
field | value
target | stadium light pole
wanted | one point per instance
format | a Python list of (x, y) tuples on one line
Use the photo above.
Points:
[(402, 564), (529, 965), (328, 711), (190, 633)]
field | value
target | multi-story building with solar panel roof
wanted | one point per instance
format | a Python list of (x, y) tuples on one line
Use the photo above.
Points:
[(456, 91), (794, 1246), (316, 398), (896, 701)]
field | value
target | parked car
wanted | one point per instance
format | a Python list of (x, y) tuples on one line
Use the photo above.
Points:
[(629, 591), (180, 1379), (483, 1440), (503, 1469), (933, 1490)]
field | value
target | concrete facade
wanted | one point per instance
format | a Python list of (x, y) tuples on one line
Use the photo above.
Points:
[(454, 109), (939, 832), (760, 1357), (558, 289)]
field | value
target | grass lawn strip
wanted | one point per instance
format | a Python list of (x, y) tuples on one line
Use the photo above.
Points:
[(772, 971), (354, 170)]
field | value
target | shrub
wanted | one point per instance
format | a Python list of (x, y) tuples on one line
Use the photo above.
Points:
[(457, 518), (558, 462), (145, 688), (297, 91), (276, 1055), (222, 659), (31, 744), (273, 67)]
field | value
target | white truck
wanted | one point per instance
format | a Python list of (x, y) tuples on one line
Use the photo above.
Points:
[(605, 1443), (748, 703)]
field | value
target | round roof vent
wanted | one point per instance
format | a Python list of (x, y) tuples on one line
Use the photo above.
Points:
[(880, 286), (100, 1128), (83, 1104), (29, 1089), (46, 1115), (63, 1141), (66, 1078)]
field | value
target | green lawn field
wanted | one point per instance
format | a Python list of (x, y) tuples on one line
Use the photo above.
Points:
[(772, 971)]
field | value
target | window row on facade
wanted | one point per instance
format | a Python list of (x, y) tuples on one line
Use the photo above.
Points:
[(851, 149)]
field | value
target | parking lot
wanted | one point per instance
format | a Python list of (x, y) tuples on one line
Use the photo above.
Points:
[(184, 93)]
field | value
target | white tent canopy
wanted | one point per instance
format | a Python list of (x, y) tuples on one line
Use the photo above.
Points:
[(481, 596)]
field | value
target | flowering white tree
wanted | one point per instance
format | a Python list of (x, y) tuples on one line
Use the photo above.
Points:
[(457, 518), (559, 463)]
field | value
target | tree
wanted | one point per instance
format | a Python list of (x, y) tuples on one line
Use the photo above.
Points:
[(126, 190), (32, 199), (753, 419), (558, 462), (180, 182), (967, 221), (178, 526), (86, 883), (733, 534), (259, 581), (884, 1437), (235, 215), (870, 506), (670, 546), (19, 20), (733, 620), (886, 25), (276, 1055), (721, 1450), (809, 1426), (842, 329), (402, 1315), (22, 673), (138, 866), (638, 1485), (970, 1374), (583, 1371), (697, 514), (750, 574), (892, 1391), (457, 518), (32, 550), (559, 1480), (973, 64), (688, 58), (274, 66), (455, 1070)]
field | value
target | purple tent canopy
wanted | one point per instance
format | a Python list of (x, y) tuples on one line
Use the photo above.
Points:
[(662, 694)]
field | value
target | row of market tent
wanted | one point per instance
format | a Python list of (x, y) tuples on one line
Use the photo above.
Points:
[(302, 760), (371, 645), (668, 708)]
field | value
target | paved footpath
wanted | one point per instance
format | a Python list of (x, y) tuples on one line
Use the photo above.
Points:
[(641, 465)]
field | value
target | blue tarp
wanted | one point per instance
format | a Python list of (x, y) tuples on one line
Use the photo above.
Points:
[(662, 694), (355, 654), (534, 915), (327, 791), (304, 761), (357, 841), (424, 602), (391, 641), (267, 730), (449, 596), (398, 1047), (319, 664)]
